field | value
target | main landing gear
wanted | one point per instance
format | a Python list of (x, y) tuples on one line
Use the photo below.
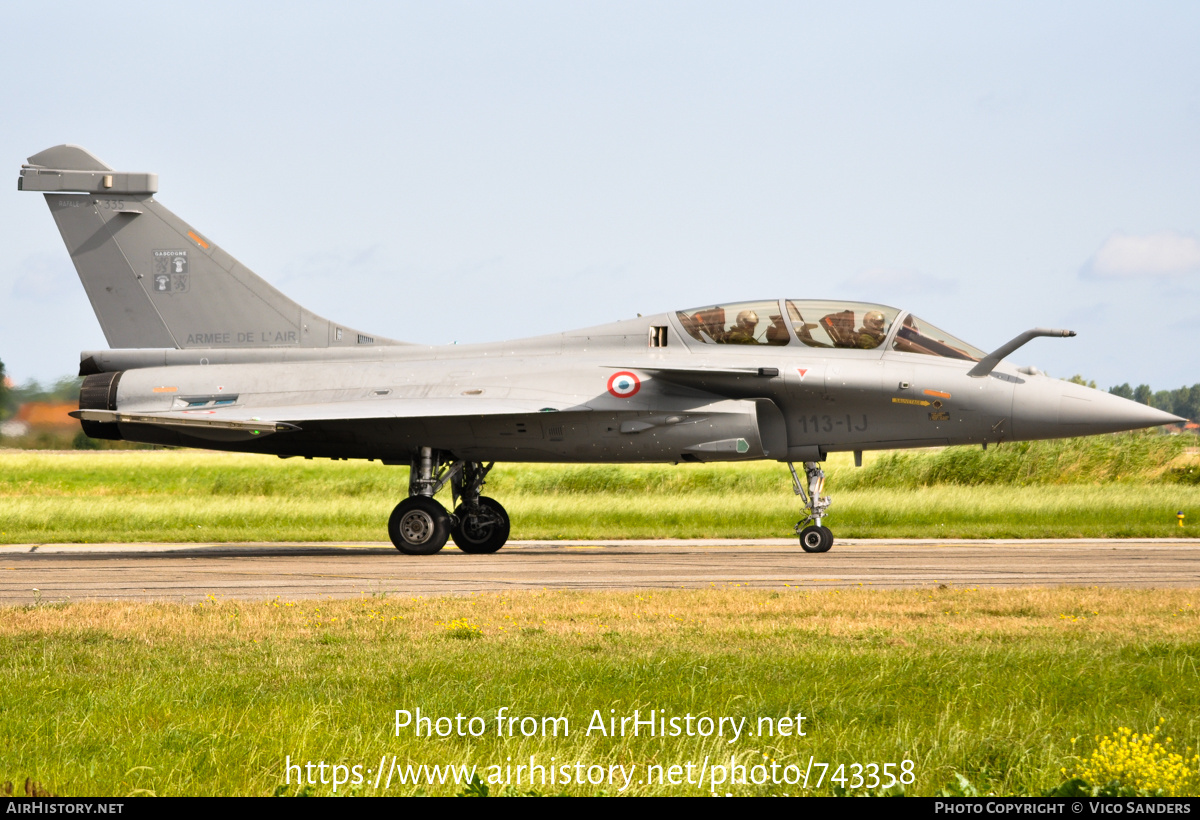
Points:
[(421, 526), (813, 538)]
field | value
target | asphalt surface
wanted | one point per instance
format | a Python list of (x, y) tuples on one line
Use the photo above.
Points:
[(191, 572)]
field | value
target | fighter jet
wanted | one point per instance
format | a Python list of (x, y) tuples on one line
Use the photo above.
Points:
[(207, 354)]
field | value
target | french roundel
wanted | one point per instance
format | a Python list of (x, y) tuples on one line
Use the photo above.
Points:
[(624, 384)]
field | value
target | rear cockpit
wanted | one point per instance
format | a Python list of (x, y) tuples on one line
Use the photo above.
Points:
[(822, 324), (743, 323)]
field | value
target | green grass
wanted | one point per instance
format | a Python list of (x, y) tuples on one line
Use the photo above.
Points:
[(1121, 486), (1124, 458), (117, 699)]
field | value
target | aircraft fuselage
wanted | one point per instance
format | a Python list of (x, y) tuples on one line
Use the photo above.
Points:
[(549, 399)]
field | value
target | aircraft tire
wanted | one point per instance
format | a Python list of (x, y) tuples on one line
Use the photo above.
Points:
[(816, 539), (828, 533), (477, 539), (419, 526)]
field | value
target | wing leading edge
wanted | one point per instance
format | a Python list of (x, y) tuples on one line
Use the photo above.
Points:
[(243, 423)]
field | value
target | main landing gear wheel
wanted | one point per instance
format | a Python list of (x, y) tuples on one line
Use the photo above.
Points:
[(816, 539), (481, 530), (419, 526)]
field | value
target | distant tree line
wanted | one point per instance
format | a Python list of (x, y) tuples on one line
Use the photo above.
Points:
[(1182, 402), (11, 398)]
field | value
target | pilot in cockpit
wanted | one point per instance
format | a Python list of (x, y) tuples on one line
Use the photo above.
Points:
[(870, 335), (742, 332)]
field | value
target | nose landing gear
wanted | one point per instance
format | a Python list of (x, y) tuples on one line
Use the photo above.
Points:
[(814, 537)]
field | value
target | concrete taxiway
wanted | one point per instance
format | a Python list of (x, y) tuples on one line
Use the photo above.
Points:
[(191, 572)]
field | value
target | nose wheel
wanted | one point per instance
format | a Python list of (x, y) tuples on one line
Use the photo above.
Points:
[(816, 539), (813, 537)]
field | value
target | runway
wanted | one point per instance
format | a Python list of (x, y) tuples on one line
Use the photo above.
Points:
[(191, 572)]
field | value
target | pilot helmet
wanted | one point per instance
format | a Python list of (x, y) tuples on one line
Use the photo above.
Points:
[(747, 318), (873, 321)]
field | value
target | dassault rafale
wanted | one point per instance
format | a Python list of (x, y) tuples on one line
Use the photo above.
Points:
[(207, 354)]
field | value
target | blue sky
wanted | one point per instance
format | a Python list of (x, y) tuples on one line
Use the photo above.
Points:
[(441, 172)]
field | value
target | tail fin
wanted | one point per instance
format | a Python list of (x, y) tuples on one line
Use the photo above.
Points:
[(153, 280)]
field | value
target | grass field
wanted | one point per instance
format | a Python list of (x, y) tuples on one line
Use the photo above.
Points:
[(1013, 690), (1120, 486), (1005, 687)]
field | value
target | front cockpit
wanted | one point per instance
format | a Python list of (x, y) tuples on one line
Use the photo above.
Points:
[(822, 324)]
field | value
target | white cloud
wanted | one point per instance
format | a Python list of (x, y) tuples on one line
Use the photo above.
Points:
[(1158, 254)]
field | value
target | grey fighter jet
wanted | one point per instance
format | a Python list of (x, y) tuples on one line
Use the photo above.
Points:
[(207, 354)]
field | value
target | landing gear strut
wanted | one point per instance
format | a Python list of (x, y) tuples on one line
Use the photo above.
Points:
[(814, 538), (421, 526), (482, 524)]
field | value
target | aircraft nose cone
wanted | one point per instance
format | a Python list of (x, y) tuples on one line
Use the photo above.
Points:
[(1104, 412), (1049, 408)]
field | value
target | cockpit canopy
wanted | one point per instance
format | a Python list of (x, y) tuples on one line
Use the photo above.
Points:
[(822, 324), (744, 323), (918, 336)]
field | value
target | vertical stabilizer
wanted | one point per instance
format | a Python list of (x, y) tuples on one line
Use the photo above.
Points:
[(153, 280)]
